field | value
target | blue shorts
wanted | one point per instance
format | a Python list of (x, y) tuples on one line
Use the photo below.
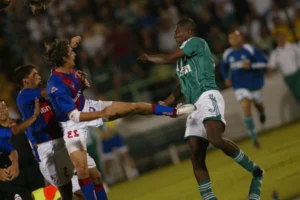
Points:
[(115, 142)]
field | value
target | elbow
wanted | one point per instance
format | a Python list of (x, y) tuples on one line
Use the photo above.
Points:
[(75, 116)]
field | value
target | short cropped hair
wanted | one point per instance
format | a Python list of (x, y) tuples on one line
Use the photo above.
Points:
[(22, 72), (189, 24)]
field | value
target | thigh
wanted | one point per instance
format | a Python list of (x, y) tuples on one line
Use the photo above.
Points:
[(197, 148)]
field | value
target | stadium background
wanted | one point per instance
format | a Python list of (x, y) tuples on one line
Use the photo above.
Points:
[(115, 32)]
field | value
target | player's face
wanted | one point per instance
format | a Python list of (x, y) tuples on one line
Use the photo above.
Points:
[(33, 80), (280, 39), (235, 40), (181, 34), (4, 112), (71, 58)]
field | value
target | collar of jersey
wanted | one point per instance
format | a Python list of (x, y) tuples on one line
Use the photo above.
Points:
[(60, 73)]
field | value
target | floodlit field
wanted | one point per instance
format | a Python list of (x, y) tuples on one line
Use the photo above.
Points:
[(279, 156)]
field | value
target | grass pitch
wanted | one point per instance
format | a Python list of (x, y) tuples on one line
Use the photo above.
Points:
[(279, 156)]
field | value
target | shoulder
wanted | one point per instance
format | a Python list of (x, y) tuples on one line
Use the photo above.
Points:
[(54, 83), (249, 48), (226, 53), (193, 40)]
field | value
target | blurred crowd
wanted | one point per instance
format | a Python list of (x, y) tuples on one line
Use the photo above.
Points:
[(115, 32)]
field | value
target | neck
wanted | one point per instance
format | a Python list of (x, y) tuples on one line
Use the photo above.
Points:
[(237, 47), (282, 45), (63, 69)]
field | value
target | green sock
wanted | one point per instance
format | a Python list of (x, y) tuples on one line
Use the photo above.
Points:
[(206, 191), (244, 161), (250, 166), (250, 126)]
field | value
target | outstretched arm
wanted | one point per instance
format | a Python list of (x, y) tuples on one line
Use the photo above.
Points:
[(162, 58)]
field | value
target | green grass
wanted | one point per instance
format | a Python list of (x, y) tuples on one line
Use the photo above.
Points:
[(279, 156)]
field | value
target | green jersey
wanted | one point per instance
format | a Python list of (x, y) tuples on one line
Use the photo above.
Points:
[(196, 69)]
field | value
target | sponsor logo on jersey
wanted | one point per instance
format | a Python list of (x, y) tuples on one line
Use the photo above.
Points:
[(45, 109), (184, 70), (53, 89)]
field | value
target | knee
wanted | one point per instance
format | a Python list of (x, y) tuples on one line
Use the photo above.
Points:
[(97, 178), (218, 143), (82, 171), (198, 160)]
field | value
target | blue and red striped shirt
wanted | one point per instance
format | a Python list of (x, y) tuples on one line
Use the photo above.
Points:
[(65, 94), (46, 127)]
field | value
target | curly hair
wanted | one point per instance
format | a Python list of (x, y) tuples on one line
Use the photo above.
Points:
[(36, 5), (56, 52)]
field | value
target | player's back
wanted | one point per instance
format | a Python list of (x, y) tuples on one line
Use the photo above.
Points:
[(243, 78), (65, 94), (196, 69), (46, 127)]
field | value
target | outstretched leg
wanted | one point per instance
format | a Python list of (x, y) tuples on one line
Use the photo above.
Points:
[(197, 148), (121, 109)]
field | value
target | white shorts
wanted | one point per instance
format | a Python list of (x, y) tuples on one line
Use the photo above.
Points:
[(243, 93), (210, 106), (55, 164), (75, 134)]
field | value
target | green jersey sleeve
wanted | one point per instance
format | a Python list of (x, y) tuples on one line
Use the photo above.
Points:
[(192, 46)]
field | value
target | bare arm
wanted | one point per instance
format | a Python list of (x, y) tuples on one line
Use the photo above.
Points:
[(20, 128), (13, 170), (174, 96), (163, 58)]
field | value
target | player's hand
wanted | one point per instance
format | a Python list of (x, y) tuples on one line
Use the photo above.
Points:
[(11, 123), (13, 171), (246, 64), (75, 41), (143, 58), (84, 83), (162, 103), (36, 108), (4, 175), (228, 83)]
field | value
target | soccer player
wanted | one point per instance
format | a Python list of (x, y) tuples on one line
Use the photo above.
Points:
[(8, 128), (195, 70), (241, 68), (77, 113)]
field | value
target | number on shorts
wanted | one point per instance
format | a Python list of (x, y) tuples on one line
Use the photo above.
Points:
[(72, 134)]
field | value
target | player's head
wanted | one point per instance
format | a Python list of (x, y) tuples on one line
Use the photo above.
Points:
[(235, 39), (4, 112), (185, 29), (36, 5), (26, 76), (60, 54), (281, 38)]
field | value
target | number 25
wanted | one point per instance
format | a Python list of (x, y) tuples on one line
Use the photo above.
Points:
[(72, 134)]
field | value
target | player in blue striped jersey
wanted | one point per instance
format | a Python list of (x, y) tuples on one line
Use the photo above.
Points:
[(242, 69)]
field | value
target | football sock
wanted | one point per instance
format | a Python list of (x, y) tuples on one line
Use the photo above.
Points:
[(163, 110), (206, 191), (244, 161), (87, 188), (250, 126), (100, 192)]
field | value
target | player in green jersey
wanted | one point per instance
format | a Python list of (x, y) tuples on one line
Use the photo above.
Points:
[(195, 70)]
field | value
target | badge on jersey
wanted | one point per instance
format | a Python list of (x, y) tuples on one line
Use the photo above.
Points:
[(53, 89)]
